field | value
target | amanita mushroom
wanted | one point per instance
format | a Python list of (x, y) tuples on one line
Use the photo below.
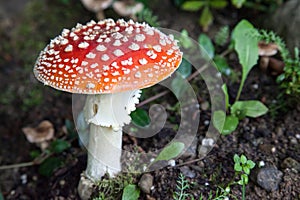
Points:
[(109, 61)]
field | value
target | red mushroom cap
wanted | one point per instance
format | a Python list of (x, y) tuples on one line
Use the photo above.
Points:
[(108, 57)]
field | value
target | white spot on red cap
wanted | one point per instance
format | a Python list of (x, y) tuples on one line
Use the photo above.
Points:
[(139, 37), (69, 48), (83, 45), (101, 47), (118, 52), (105, 57), (143, 61), (91, 55), (134, 46)]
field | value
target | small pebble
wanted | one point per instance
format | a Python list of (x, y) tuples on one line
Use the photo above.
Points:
[(23, 178), (146, 183), (291, 164), (207, 142), (269, 178), (298, 136), (206, 122), (261, 164), (172, 163), (187, 172)]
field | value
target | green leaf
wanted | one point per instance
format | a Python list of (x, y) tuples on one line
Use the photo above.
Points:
[(243, 159), (246, 46), (207, 45), (219, 117), (49, 166), (250, 164), (59, 146), (131, 192), (244, 179), (231, 122), (222, 65), (193, 5), (238, 3), (251, 108), (140, 117), (170, 151), (218, 3), (184, 39), (236, 158), (185, 68), (225, 90), (206, 18), (246, 170), (237, 167)]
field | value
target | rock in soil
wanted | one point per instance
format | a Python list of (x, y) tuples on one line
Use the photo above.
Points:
[(146, 182), (269, 178), (291, 164), (187, 172)]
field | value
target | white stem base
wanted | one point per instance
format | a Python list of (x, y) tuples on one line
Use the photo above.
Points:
[(104, 152)]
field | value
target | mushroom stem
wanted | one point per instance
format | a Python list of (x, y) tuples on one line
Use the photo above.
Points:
[(107, 114), (104, 152)]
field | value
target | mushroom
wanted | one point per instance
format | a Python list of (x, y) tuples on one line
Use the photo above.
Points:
[(266, 50), (41, 134), (110, 62), (97, 6), (127, 8)]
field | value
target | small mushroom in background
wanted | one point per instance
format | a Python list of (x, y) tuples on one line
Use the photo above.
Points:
[(41, 134), (109, 62), (97, 6), (128, 8), (267, 62)]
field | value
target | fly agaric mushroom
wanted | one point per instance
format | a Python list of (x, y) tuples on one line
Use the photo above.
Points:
[(110, 62)]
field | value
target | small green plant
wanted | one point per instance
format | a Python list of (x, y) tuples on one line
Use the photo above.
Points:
[(182, 187), (245, 43), (120, 187), (222, 36), (206, 6), (243, 166)]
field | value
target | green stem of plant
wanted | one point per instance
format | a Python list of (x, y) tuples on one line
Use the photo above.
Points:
[(244, 191), (240, 90)]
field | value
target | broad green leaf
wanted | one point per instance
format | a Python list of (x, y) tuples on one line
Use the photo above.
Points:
[(206, 18), (231, 122), (131, 192), (238, 3), (59, 146), (246, 170), (218, 3), (222, 65), (170, 151), (251, 108), (246, 46), (243, 159), (207, 45), (49, 165), (237, 167), (140, 117), (219, 117), (192, 5), (251, 164), (225, 90), (236, 158), (185, 68)]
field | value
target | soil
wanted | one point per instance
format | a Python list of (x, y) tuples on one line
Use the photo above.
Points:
[(25, 103)]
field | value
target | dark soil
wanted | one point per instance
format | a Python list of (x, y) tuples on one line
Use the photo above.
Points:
[(25, 102)]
